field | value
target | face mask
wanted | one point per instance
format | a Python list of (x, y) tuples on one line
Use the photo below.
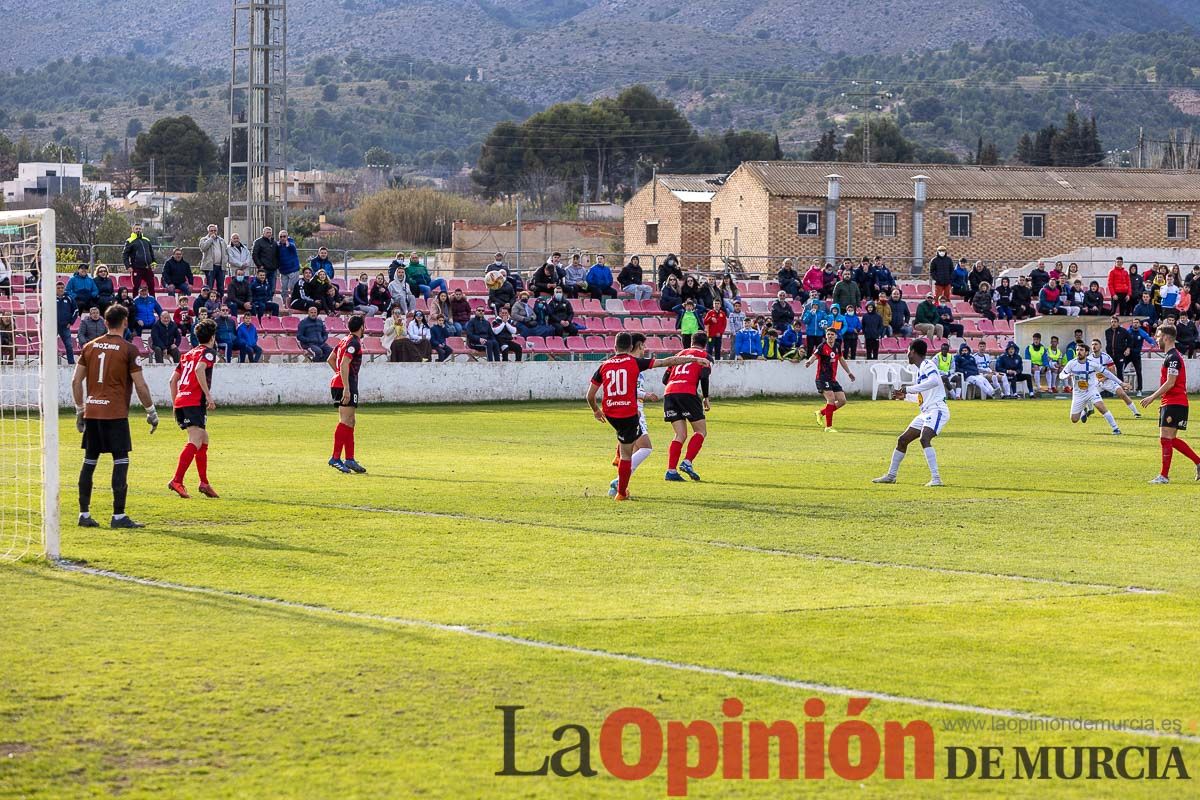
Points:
[(241, 278), (558, 296)]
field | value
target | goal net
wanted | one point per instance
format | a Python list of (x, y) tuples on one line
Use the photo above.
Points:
[(28, 386)]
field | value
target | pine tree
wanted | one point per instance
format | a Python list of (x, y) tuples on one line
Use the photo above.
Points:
[(827, 148)]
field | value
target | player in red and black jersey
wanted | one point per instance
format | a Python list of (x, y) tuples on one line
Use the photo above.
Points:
[(682, 404), (1173, 414), (345, 361), (617, 378), (192, 398), (828, 356)]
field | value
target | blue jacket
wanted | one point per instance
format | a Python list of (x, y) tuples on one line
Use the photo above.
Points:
[(853, 324), (747, 342), (1010, 361), (66, 310), (872, 325), (311, 332), (814, 319), (599, 275), (791, 339), (314, 264), (437, 335), (289, 259), (247, 335), (883, 278), (260, 291), (226, 330), (81, 288), (965, 362), (960, 279), (146, 309)]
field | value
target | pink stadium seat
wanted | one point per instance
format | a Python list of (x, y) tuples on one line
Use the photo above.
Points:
[(168, 302), (457, 283), (374, 325), (591, 306), (555, 346), (335, 325), (422, 304), (771, 288), (753, 289), (962, 308), (290, 323), (373, 347), (271, 325), (612, 324), (476, 286), (1003, 327), (576, 344), (125, 281), (634, 324), (985, 326), (536, 343)]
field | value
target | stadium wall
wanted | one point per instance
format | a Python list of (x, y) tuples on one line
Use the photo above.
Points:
[(473, 382)]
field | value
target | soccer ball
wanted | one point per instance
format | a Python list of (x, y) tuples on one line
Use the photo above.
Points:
[(493, 279)]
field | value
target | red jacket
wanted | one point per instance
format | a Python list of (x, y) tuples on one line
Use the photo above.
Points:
[(1118, 281), (714, 323)]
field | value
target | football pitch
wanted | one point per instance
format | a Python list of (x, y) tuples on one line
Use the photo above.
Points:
[(313, 634)]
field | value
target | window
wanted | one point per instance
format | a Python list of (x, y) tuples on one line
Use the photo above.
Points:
[(1106, 226), (885, 224), (651, 233), (960, 225), (716, 224), (808, 223), (1177, 226), (1033, 226)]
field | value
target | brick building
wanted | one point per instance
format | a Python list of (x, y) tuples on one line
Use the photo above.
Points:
[(670, 214), (766, 210)]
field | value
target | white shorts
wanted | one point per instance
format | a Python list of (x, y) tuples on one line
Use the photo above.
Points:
[(1109, 386), (1081, 400), (935, 419), (643, 428)]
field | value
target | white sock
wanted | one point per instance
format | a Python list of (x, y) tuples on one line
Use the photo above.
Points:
[(897, 457), (1132, 408), (639, 455), (85, 514), (931, 459), (118, 516), (1108, 417)]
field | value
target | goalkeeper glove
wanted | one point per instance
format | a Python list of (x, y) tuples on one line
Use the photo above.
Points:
[(152, 418), (80, 425)]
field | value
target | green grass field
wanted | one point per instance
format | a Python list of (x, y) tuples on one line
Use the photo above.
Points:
[(1006, 590)]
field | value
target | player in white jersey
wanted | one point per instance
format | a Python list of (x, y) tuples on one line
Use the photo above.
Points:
[(1084, 375), (1103, 360), (641, 447), (930, 393)]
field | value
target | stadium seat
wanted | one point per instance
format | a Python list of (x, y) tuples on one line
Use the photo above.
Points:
[(556, 348), (374, 325), (754, 289), (536, 343), (615, 306), (771, 288), (476, 286), (271, 324), (457, 283), (290, 323), (590, 306), (335, 325), (985, 326), (634, 324), (612, 324)]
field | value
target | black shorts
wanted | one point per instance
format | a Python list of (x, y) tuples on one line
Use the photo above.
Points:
[(682, 406), (629, 429), (106, 436), (337, 393), (1173, 417), (829, 386), (191, 417)]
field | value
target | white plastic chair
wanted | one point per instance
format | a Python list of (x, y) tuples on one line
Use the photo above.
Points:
[(884, 374)]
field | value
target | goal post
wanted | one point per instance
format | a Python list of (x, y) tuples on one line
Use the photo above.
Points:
[(29, 386)]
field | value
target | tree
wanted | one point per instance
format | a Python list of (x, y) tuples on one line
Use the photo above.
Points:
[(378, 157), (83, 217), (190, 216), (888, 145), (501, 160), (330, 92), (182, 153), (827, 147)]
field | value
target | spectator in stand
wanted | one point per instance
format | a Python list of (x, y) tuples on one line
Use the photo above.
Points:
[(981, 301), (1136, 286), (316, 287), (1056, 272), (884, 309), (106, 291), (395, 335), (791, 343), (599, 281), (65, 314), (5, 278), (814, 279), (632, 281), (846, 292), (1119, 288), (138, 257), (979, 275), (547, 277), (177, 274), (737, 318), (203, 316), (884, 279), (727, 292), (669, 267), (941, 274), (246, 340), (265, 255), (460, 313), (500, 291), (851, 330), (574, 280), (380, 297), (709, 296), (715, 322), (1004, 300), (690, 290), (337, 302), (1138, 338), (321, 263), (1155, 283), (260, 295), (402, 297), (313, 336), (782, 312), (81, 288), (238, 255), (928, 322), (1011, 370), (419, 280), (966, 365), (829, 279), (901, 316), (872, 330), (214, 258), (864, 278), (289, 263), (1168, 296), (90, 326), (1050, 299), (497, 264), (1038, 278), (689, 323), (362, 296), (146, 311), (437, 338), (1022, 299), (397, 265), (526, 316), (505, 332), (226, 334), (480, 336), (560, 315), (239, 297), (1146, 310), (671, 299), (815, 320), (165, 339), (960, 280), (1193, 287), (836, 321), (183, 320), (1186, 336), (419, 336), (1039, 363), (747, 343), (771, 351), (789, 279)]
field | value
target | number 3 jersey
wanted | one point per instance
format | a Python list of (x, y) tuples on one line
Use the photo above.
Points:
[(617, 377), (189, 395)]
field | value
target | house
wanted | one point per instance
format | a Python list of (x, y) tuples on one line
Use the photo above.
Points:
[(670, 214), (318, 190)]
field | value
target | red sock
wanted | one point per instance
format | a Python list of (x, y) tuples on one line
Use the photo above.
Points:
[(1167, 450), (202, 463), (624, 470), (338, 441), (694, 445), (185, 461), (673, 453), (348, 442), (1185, 448), (827, 411)]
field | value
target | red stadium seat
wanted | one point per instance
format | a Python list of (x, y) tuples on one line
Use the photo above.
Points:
[(374, 325), (476, 286), (596, 344), (634, 324), (771, 288), (613, 324), (985, 326), (555, 347), (290, 323), (754, 289), (335, 325), (271, 324), (457, 283), (591, 306)]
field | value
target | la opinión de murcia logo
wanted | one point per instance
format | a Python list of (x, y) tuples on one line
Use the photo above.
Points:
[(854, 750)]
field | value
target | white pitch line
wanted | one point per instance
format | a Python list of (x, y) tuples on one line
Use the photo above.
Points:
[(770, 551), (679, 666)]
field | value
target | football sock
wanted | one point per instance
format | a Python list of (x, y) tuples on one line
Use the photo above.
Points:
[(673, 453), (897, 457), (348, 442), (931, 459), (85, 484), (1132, 408), (1108, 417), (1184, 448), (185, 461), (120, 484), (624, 470), (828, 412), (339, 440), (639, 455), (694, 445), (202, 463), (1168, 449)]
